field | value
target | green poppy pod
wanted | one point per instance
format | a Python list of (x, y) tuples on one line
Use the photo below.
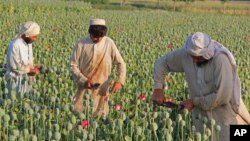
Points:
[(208, 132), (205, 120), (2, 112), (6, 118), (57, 136), (73, 119), (166, 115), (212, 122), (13, 95), (204, 137), (33, 138), (57, 111), (36, 108), (218, 128), (95, 124), (20, 138), (204, 126), (69, 126), (66, 107), (92, 103), (90, 136), (154, 126), (123, 116), (179, 118), (182, 123), (120, 122), (169, 122), (84, 135), (198, 136), (82, 116), (31, 111), (56, 127), (13, 116), (78, 139), (139, 131), (185, 112), (25, 132), (15, 132), (155, 115), (12, 138), (6, 91), (79, 128), (52, 99)]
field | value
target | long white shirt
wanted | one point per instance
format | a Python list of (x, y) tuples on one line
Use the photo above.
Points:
[(19, 58)]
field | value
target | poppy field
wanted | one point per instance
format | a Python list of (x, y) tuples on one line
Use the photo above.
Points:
[(142, 36)]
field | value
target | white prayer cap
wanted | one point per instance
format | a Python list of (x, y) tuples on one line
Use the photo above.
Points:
[(97, 22), (200, 44), (30, 29)]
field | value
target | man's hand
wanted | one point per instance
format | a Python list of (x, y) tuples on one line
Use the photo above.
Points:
[(87, 84), (158, 96), (188, 104), (117, 86), (33, 72), (38, 67)]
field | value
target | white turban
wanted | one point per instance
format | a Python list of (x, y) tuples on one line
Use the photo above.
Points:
[(200, 44), (29, 29), (97, 22)]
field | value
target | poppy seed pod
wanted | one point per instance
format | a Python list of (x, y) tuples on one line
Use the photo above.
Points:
[(218, 128), (198, 136), (57, 136), (25, 132), (154, 126), (69, 126)]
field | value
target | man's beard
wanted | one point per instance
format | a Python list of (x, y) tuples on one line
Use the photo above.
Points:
[(28, 40), (202, 63)]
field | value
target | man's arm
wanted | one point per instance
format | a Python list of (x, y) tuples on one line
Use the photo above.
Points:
[(74, 65), (121, 65), (15, 62), (171, 62)]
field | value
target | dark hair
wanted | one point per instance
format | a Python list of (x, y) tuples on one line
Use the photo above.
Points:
[(98, 30)]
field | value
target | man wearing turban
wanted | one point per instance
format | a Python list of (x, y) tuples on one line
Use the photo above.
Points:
[(91, 64), (214, 85), (20, 58)]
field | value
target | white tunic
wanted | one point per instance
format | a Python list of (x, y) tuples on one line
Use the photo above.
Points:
[(19, 61)]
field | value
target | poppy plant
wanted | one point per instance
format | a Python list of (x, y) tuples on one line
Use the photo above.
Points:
[(118, 107), (142, 97), (85, 124)]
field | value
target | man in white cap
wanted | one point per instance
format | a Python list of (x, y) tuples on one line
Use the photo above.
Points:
[(214, 85), (20, 58), (91, 64)]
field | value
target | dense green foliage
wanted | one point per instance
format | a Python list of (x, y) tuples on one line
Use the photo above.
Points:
[(142, 37)]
